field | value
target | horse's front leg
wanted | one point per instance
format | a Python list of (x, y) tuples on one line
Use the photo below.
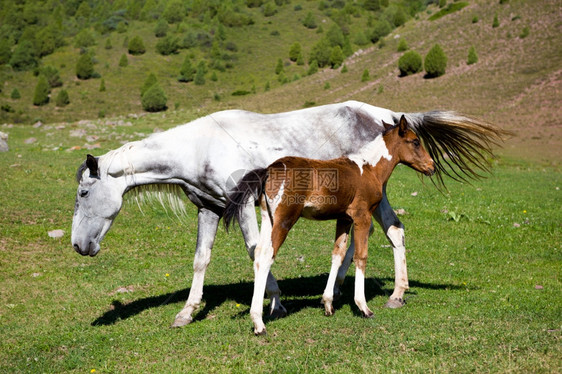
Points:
[(340, 244), (361, 225), (206, 230), (249, 227), (394, 230)]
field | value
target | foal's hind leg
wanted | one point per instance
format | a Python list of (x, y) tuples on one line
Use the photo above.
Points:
[(207, 229), (249, 227), (340, 244), (394, 230)]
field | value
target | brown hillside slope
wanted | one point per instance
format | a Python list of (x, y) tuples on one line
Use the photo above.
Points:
[(516, 84)]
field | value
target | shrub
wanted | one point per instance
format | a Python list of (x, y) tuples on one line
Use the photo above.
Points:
[(52, 75), (360, 39), (154, 99), (381, 29), (336, 57), (402, 45), (108, 44), (148, 82), (524, 32), (174, 11), (200, 74), (41, 95), (410, 63), (366, 76), (269, 10), (167, 46), (24, 57), (321, 52), (161, 28), (5, 51), (495, 22), (187, 71), (472, 56), (475, 19), (295, 51), (15, 94), (123, 61), (84, 39), (309, 22), (279, 67), (435, 62), (313, 68), (136, 46), (344, 69), (62, 99), (102, 85), (85, 67)]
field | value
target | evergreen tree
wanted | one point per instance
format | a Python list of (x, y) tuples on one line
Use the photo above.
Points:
[(472, 56), (136, 46), (154, 99), (279, 67), (295, 51), (84, 39), (161, 28), (365, 77), (495, 22), (24, 57), (435, 62), (102, 85), (313, 68), (167, 46), (410, 63), (85, 67), (174, 11), (402, 45), (148, 82), (41, 95), (62, 99), (15, 94), (200, 74), (52, 75), (381, 29), (309, 22), (108, 44), (5, 51), (321, 52), (123, 61), (336, 57), (187, 71)]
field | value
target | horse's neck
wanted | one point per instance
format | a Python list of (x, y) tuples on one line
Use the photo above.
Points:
[(371, 153), (140, 163)]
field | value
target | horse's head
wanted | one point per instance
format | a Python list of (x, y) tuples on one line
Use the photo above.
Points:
[(409, 149), (98, 201)]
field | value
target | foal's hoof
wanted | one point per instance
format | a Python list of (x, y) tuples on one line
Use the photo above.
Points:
[(395, 303), (181, 321), (278, 313)]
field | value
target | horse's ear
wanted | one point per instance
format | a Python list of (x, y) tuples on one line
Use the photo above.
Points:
[(402, 126), (92, 164), (387, 126)]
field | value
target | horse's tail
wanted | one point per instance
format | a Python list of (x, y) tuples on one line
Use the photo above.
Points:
[(250, 186), (460, 146)]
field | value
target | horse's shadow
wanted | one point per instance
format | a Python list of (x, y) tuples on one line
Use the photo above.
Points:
[(294, 296)]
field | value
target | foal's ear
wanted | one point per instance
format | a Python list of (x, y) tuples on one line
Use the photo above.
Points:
[(92, 164), (387, 126), (402, 126)]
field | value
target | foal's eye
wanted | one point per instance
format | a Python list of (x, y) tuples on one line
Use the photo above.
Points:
[(83, 193)]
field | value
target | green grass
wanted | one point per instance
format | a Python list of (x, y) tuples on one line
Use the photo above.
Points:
[(451, 8), (485, 295)]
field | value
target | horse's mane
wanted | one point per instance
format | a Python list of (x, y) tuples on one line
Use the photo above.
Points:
[(460, 146)]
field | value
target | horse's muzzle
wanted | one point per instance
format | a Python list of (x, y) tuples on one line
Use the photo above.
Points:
[(91, 250)]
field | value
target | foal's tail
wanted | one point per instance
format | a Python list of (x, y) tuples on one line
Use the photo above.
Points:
[(460, 146), (249, 187)]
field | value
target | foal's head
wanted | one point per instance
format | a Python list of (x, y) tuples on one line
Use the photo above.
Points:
[(407, 147)]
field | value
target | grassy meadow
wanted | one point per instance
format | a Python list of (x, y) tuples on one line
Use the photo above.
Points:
[(484, 266), (484, 259)]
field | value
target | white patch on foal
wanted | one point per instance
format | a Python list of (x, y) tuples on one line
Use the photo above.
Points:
[(371, 153)]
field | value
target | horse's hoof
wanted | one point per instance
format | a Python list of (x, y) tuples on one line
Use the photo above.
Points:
[(278, 313), (329, 312), (395, 303), (369, 314), (181, 321), (260, 333)]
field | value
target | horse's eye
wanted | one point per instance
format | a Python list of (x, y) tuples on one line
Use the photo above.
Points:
[(416, 142), (83, 193)]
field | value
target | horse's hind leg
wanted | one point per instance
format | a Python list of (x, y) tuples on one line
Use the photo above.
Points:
[(249, 227), (394, 230), (340, 244), (207, 229)]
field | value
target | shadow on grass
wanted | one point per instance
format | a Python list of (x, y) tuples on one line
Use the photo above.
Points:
[(297, 294)]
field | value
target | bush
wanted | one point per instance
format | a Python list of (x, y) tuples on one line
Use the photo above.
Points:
[(402, 45), (200, 74), (41, 95), (52, 75), (174, 11), (336, 57), (524, 32), (62, 99), (309, 22), (84, 39), (435, 62), (381, 29), (148, 82), (295, 51), (123, 61), (5, 51), (410, 63), (472, 56), (108, 44), (279, 67), (269, 10), (136, 46), (167, 46), (102, 85), (24, 57), (85, 67), (154, 99), (321, 52), (161, 28), (15, 94), (313, 68), (366, 76), (495, 22), (187, 71)]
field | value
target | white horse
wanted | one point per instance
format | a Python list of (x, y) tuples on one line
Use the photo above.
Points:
[(204, 156)]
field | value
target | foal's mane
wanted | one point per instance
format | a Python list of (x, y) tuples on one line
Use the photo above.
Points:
[(460, 146)]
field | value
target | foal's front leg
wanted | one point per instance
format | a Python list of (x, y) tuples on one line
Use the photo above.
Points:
[(340, 244), (361, 228)]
